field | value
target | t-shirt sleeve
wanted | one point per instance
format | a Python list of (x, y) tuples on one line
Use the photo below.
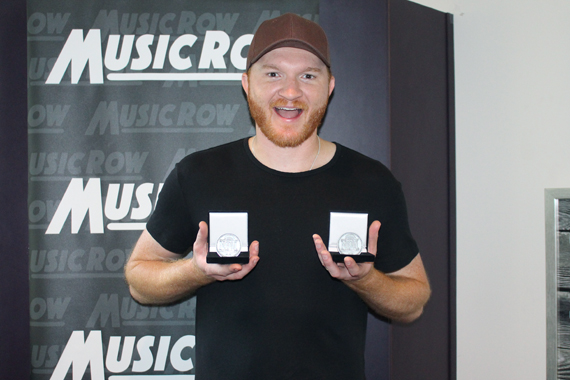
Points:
[(170, 224), (396, 246)]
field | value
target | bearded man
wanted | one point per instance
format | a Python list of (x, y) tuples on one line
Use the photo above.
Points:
[(290, 311)]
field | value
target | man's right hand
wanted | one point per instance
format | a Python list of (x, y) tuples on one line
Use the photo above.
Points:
[(221, 272), (158, 276)]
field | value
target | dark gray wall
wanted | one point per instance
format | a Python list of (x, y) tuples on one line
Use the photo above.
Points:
[(422, 158), (358, 112), (14, 321)]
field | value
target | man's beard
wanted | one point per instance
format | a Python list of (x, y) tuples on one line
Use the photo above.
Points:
[(262, 119)]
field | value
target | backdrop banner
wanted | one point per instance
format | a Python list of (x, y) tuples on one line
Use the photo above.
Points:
[(120, 91)]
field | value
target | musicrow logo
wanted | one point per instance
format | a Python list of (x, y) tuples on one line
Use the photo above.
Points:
[(120, 311), (78, 201), (79, 50), (80, 353)]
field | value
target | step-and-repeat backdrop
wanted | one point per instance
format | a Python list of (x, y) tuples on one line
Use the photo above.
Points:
[(119, 92)]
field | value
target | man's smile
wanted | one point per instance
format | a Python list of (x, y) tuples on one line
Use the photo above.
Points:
[(288, 112)]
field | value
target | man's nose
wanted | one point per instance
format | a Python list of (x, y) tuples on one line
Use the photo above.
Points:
[(291, 89)]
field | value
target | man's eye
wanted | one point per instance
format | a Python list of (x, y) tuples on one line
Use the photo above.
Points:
[(309, 76), (272, 75)]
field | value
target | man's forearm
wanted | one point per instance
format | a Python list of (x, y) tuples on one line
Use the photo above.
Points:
[(396, 297), (163, 282), (158, 276)]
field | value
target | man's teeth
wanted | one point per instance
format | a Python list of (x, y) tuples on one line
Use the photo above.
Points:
[(287, 109)]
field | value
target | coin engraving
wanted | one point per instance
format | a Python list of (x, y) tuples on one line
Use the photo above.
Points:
[(350, 244), (228, 245)]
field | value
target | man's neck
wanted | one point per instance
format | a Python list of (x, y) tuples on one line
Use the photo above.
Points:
[(311, 154)]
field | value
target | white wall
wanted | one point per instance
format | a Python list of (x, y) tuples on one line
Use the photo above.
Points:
[(512, 64)]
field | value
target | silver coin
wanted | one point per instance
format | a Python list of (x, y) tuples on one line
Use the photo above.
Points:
[(228, 245), (350, 244)]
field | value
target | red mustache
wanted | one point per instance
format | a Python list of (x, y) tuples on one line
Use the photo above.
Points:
[(294, 104)]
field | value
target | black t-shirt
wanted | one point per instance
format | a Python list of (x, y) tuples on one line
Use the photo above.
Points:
[(287, 319)]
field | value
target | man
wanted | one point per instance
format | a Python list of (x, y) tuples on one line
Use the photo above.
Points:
[(291, 312)]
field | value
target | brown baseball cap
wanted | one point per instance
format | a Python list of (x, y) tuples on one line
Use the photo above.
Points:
[(288, 30)]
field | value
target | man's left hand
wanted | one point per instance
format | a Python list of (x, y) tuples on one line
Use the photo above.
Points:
[(349, 270)]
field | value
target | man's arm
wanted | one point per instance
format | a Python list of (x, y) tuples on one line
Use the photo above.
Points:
[(400, 295), (158, 276)]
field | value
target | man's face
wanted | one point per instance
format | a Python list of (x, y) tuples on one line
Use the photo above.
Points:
[(288, 91)]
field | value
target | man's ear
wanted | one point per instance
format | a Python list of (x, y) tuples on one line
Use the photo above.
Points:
[(245, 83), (331, 85)]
